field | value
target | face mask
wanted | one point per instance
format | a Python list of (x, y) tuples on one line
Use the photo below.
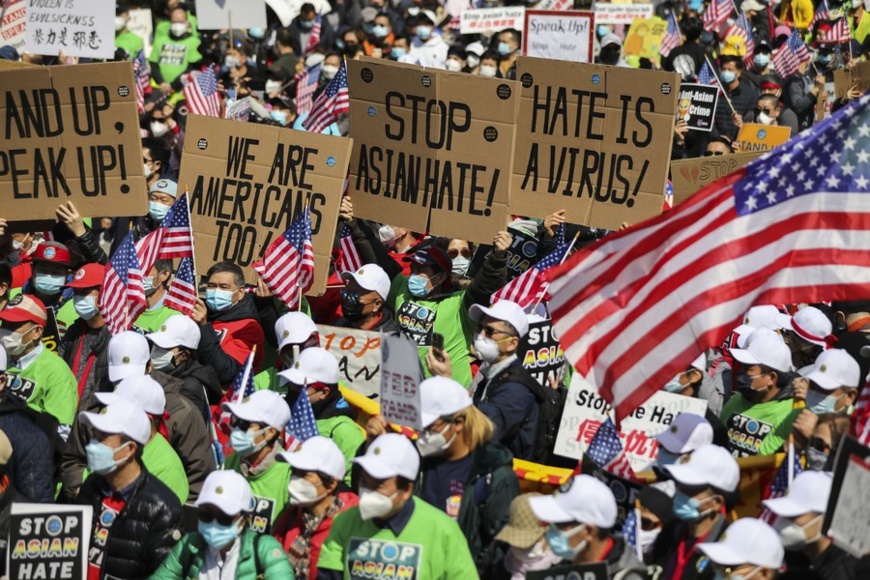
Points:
[(819, 403), (279, 117), (380, 31), (351, 307), (529, 554), (473, 60), (430, 444), (256, 33), (231, 61), (744, 387), (273, 87), (761, 60), (387, 236), (146, 170), (398, 52), (120, 24), (826, 58), (792, 535), (216, 535), (101, 457), (418, 286), (728, 76), (162, 359), (765, 119), (424, 32), (665, 457), (486, 348), (243, 441), (373, 504), (302, 491), (688, 508), (674, 385), (504, 48), (306, 24), (159, 129), (487, 71), (85, 306), (157, 210), (178, 29), (646, 539), (148, 285), (49, 284), (218, 300), (560, 542), (453, 65), (602, 30), (14, 345), (329, 71), (460, 263), (816, 460), (351, 49)]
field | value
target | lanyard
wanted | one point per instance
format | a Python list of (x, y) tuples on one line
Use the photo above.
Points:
[(83, 379)]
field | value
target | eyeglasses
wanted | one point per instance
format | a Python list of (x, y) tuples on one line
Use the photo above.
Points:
[(489, 331), (209, 517), (647, 525), (464, 252), (767, 112), (712, 153)]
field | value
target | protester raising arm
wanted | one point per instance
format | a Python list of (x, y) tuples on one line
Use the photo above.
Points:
[(84, 237), (492, 275), (371, 251)]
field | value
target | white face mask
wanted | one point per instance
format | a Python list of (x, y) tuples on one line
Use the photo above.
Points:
[(430, 443), (178, 29), (373, 504), (387, 236), (473, 60), (329, 71), (792, 535), (645, 539), (162, 359), (273, 87), (453, 65), (302, 491), (159, 129), (487, 71), (460, 265), (765, 119), (146, 170), (486, 348), (120, 24), (13, 343)]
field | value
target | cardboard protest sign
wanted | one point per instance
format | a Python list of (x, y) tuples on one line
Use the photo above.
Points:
[(400, 381), (142, 25), (585, 411), (248, 183), (621, 13), (596, 571), (287, 10), (522, 255), (559, 35), (542, 354), (13, 24), (644, 38), (858, 76), (221, 14), (754, 137), (593, 140), (49, 541), (432, 149), (690, 175), (480, 20), (70, 133), (696, 106), (359, 356), (84, 28)]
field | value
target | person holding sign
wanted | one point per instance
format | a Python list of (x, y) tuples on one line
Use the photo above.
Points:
[(751, 549), (768, 111)]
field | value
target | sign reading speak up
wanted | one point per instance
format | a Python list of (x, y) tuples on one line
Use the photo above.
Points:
[(432, 149), (248, 183), (70, 133), (594, 140)]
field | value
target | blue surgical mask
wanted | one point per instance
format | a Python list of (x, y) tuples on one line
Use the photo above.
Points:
[(728, 76), (398, 52), (216, 535), (278, 117), (101, 457), (306, 24), (826, 58), (686, 508), (601, 30), (674, 386), (242, 442), (380, 31), (218, 300), (157, 210), (819, 403), (148, 285), (49, 284), (85, 306), (418, 286), (257, 33), (761, 60), (504, 48), (665, 457), (560, 542), (424, 32)]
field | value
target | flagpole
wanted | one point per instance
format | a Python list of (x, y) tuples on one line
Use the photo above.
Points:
[(192, 236), (567, 253), (724, 94), (246, 374), (790, 459)]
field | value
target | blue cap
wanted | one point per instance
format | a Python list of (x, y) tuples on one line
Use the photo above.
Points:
[(166, 186)]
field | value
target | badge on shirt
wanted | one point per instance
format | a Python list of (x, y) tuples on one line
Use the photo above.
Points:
[(262, 520), (416, 322), (381, 560)]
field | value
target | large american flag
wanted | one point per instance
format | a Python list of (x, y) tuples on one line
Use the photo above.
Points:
[(861, 416), (673, 38), (742, 28), (530, 287), (306, 85), (123, 297), (790, 55), (173, 238), (333, 101), (287, 267), (637, 307), (302, 425), (202, 95), (141, 76), (779, 486), (606, 450), (717, 13), (348, 257), (182, 293), (314, 37)]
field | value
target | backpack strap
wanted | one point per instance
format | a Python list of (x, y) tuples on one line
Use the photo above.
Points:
[(517, 374)]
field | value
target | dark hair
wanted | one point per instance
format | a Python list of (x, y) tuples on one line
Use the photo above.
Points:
[(772, 99), (692, 27), (159, 151), (5, 278), (783, 378), (403, 483), (725, 59), (847, 306), (383, 14), (220, 267), (140, 449), (772, 78), (514, 34), (603, 533), (720, 139), (307, 8), (284, 37)]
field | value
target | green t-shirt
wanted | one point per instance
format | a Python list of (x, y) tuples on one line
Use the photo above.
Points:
[(174, 55), (163, 462), (419, 318), (129, 43), (757, 429), (269, 489), (430, 547), (346, 434), (48, 386), (268, 380), (152, 319)]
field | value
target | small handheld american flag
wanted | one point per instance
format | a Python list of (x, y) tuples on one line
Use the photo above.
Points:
[(790, 55), (530, 287), (314, 37), (333, 101), (306, 85), (123, 297), (673, 37), (202, 95), (182, 293), (302, 425), (287, 267), (779, 487), (243, 387), (348, 257), (142, 78), (606, 450), (173, 238)]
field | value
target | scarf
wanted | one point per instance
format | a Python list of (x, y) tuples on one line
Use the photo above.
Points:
[(299, 550)]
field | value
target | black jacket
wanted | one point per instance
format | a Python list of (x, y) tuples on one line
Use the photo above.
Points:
[(832, 564), (743, 98), (99, 348), (665, 548), (210, 352), (34, 440), (200, 384), (143, 533), (386, 324), (327, 36)]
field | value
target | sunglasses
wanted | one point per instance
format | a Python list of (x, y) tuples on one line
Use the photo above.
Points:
[(712, 153), (767, 112), (819, 445), (648, 525), (222, 519), (490, 331), (465, 252), (241, 424)]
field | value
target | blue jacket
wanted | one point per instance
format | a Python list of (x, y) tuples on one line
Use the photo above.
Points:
[(512, 407)]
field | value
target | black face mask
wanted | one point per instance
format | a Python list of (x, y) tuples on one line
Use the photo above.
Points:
[(743, 382), (351, 307)]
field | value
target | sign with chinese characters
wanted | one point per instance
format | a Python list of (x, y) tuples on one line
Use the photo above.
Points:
[(84, 28)]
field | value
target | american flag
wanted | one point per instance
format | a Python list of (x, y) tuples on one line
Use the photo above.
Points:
[(302, 425), (141, 76), (838, 33), (287, 267), (314, 38), (243, 387), (820, 14), (123, 297), (635, 308), (306, 85), (172, 239), (202, 95), (629, 529), (742, 28), (348, 258), (672, 38), (779, 487), (530, 287), (182, 293), (790, 55), (333, 101), (606, 451), (706, 75), (717, 13), (861, 416)]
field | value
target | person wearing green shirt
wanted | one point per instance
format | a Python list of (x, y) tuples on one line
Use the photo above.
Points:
[(175, 52), (759, 417), (35, 374), (155, 285), (124, 39), (391, 530), (294, 331), (257, 438), (860, 20)]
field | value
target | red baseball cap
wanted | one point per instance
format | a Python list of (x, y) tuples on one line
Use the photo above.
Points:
[(24, 308), (431, 256), (53, 252), (88, 276)]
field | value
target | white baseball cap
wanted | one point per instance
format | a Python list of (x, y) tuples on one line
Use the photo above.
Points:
[(266, 408), (810, 324), (583, 499), (371, 277), (142, 390), (700, 363), (294, 328), (834, 368), (320, 454), (121, 418), (503, 310), (178, 330), (314, 365), (228, 491), (762, 316), (390, 455), (3, 361), (808, 493), (708, 465), (765, 347), (129, 355), (441, 397), (686, 433), (746, 541)]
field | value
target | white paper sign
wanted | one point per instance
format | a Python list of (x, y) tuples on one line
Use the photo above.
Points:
[(621, 13), (220, 14), (142, 25), (559, 35), (555, 5), (14, 23), (287, 10), (850, 526), (84, 28), (492, 19), (585, 411), (400, 381), (359, 356)]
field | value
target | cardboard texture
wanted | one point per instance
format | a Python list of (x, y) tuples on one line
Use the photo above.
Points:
[(481, 20), (593, 140), (221, 14), (359, 356), (697, 106), (644, 38), (621, 13), (857, 77), (13, 25), (690, 175), (70, 132), (754, 137), (82, 28), (559, 35), (432, 149), (247, 184)]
